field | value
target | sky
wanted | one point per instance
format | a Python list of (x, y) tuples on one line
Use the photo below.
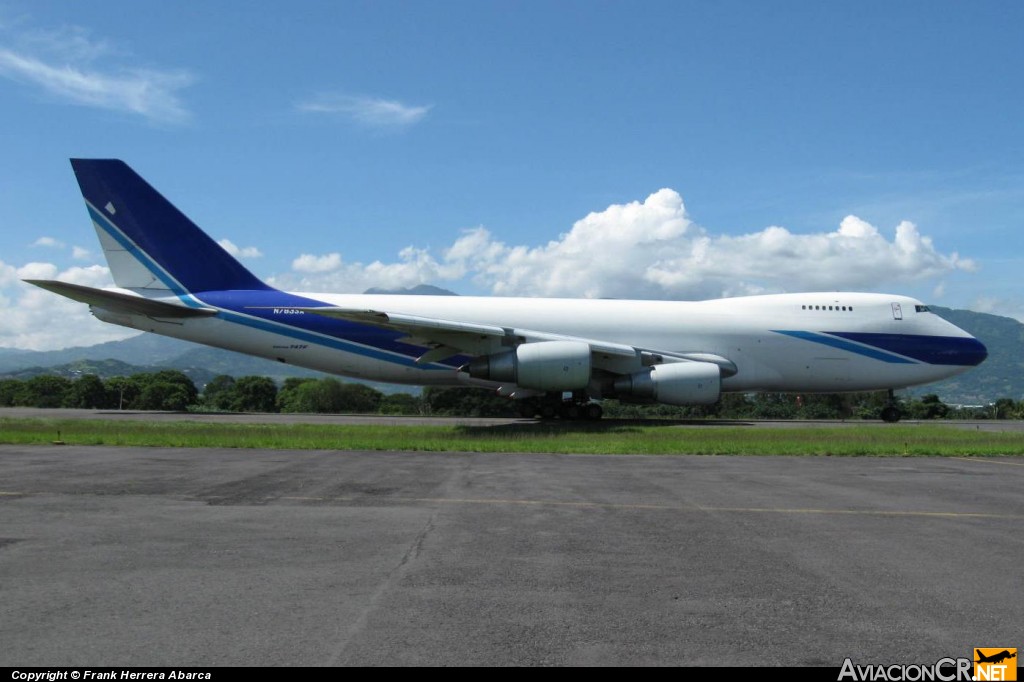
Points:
[(669, 150)]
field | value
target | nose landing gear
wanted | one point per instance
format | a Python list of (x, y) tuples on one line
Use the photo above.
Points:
[(891, 413)]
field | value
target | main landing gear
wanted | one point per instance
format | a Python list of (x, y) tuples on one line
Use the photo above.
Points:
[(891, 413), (553, 405)]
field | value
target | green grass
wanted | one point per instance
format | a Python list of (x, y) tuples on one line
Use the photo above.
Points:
[(553, 437)]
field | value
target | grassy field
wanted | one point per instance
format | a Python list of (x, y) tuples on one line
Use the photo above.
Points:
[(549, 437)]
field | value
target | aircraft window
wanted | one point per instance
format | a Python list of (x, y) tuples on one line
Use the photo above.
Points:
[(922, 309), (830, 307), (844, 307)]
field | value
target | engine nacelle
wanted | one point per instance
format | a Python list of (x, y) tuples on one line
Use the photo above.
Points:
[(546, 366), (677, 383)]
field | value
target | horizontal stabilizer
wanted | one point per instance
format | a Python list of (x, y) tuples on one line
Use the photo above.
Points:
[(118, 302)]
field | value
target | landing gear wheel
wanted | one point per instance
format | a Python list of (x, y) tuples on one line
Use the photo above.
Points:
[(891, 414), (593, 412), (548, 411)]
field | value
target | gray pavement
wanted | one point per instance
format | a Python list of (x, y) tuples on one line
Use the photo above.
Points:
[(168, 557)]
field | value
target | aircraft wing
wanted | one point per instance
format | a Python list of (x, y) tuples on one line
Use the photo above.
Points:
[(120, 303), (451, 337)]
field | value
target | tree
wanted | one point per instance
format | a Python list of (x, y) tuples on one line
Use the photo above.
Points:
[(220, 393), (774, 406), (122, 392), (1005, 408), (468, 402), (293, 397), (928, 407), (162, 395), (167, 389), (358, 398), (327, 396), (9, 391), (254, 394), (87, 392), (44, 390), (823, 406), (400, 403), (869, 405)]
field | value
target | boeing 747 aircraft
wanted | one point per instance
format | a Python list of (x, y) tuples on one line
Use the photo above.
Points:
[(173, 279)]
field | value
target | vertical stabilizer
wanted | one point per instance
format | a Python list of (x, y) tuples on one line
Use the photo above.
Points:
[(148, 242)]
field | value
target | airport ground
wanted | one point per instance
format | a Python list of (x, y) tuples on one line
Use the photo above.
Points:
[(158, 556), (400, 420)]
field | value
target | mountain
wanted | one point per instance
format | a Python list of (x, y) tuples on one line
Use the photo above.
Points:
[(106, 369), (418, 290), (199, 363), (143, 349)]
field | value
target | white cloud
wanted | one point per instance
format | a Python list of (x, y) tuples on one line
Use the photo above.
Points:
[(69, 42), (369, 111), (331, 273), (48, 242), (77, 252), (309, 263), (652, 249), (37, 271), (999, 306), (240, 251), (61, 63), (8, 275)]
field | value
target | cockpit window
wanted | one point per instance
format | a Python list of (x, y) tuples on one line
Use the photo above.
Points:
[(922, 309)]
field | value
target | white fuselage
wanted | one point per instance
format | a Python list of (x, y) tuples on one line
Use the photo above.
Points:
[(777, 342)]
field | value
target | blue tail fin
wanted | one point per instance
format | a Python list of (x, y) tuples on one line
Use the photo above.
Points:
[(150, 244)]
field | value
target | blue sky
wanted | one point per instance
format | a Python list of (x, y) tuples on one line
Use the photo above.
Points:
[(667, 150)]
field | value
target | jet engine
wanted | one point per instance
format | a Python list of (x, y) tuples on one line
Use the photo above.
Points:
[(545, 366), (677, 383)]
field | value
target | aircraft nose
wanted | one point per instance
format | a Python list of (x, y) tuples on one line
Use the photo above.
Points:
[(965, 352)]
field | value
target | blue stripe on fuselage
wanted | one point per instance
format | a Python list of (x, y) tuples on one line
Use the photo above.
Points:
[(255, 309), (865, 350), (959, 351)]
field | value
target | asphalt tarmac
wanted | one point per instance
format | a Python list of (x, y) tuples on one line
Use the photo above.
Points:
[(173, 557)]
